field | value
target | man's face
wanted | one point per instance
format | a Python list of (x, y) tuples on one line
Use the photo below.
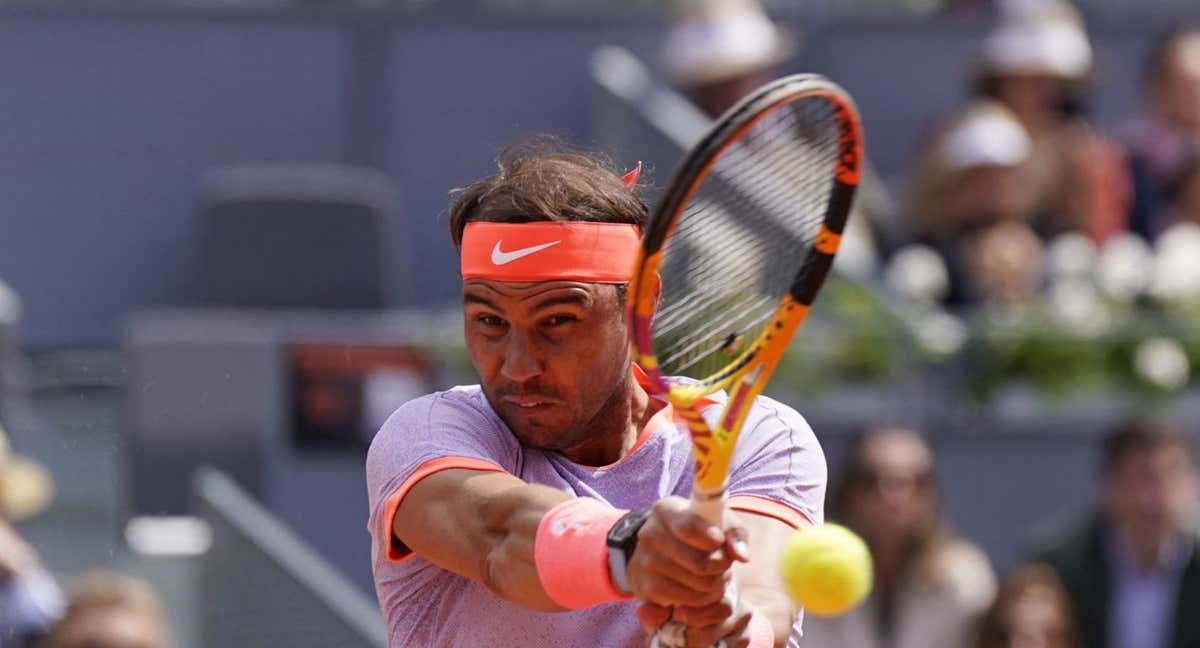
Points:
[(893, 497), (1152, 490), (551, 356)]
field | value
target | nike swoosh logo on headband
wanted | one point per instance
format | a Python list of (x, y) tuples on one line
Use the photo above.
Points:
[(500, 257)]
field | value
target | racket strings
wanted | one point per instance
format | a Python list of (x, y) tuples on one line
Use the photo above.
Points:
[(744, 237)]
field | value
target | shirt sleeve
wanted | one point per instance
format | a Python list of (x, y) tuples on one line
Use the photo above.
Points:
[(427, 435), (778, 467)]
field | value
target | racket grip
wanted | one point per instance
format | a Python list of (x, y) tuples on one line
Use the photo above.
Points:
[(672, 634), (711, 507)]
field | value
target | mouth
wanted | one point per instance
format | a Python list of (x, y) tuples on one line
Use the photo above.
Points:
[(528, 402)]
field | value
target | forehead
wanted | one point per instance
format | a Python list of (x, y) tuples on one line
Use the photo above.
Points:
[(533, 293), (896, 451)]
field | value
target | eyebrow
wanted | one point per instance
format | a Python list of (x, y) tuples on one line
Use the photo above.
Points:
[(471, 298), (573, 299)]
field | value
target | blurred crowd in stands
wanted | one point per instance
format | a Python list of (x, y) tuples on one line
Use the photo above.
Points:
[(1016, 191), (100, 609), (1123, 575)]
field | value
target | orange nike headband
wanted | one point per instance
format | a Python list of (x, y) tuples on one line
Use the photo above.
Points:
[(550, 250)]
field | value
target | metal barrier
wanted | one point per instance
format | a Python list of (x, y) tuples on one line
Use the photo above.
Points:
[(260, 585)]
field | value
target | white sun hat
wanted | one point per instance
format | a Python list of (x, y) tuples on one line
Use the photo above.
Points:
[(988, 134), (1050, 40), (715, 40)]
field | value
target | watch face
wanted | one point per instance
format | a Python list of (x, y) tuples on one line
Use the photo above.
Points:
[(627, 527)]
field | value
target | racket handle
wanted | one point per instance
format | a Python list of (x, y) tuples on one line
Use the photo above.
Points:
[(711, 507)]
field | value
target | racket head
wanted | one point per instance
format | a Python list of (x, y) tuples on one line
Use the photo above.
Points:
[(738, 248)]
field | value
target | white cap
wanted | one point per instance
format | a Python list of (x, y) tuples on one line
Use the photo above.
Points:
[(721, 39), (988, 135), (1047, 42)]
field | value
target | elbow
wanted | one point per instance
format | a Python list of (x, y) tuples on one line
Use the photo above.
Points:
[(513, 577)]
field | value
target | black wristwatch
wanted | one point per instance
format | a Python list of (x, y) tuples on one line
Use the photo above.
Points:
[(622, 540)]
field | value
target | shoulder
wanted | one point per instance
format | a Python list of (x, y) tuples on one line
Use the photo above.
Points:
[(771, 420), (454, 406), (451, 422)]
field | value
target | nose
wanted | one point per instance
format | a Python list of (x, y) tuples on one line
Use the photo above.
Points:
[(521, 361)]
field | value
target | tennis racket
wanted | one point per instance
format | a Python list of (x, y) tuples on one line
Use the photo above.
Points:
[(732, 258)]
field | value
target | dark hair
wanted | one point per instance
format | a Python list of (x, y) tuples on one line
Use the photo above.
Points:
[(1141, 436), (1164, 45), (1070, 104), (542, 180), (993, 630)]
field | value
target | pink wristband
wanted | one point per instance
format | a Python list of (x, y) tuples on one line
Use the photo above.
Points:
[(761, 634), (571, 554)]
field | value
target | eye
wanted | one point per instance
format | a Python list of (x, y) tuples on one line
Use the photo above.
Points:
[(490, 321), (561, 319)]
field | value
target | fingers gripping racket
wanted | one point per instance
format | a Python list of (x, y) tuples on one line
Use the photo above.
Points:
[(734, 255)]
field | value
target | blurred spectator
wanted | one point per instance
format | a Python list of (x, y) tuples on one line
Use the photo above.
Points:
[(1032, 610), (110, 610), (973, 201), (1132, 569), (30, 601), (719, 51), (930, 587), (1036, 62), (1163, 140)]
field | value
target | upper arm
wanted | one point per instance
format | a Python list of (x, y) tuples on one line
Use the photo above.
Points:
[(422, 438)]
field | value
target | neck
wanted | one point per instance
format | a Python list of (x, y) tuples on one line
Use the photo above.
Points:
[(890, 562), (615, 428)]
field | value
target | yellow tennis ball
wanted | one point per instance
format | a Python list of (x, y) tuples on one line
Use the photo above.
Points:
[(826, 569)]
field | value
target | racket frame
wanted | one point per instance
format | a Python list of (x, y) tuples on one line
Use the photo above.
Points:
[(745, 377)]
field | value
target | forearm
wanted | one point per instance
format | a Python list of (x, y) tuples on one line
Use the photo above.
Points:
[(481, 526), (774, 606), (758, 580), (512, 520)]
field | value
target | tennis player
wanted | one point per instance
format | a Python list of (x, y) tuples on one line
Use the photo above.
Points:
[(546, 505)]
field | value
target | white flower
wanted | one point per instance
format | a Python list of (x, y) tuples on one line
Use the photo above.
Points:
[(1125, 266), (1070, 255), (1177, 264), (1162, 362), (918, 271), (1076, 304), (941, 333)]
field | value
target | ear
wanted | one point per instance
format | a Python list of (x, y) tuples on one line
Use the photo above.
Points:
[(630, 179)]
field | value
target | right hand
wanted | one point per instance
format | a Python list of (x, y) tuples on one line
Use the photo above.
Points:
[(682, 560)]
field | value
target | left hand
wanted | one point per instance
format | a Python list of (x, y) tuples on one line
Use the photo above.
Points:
[(720, 621)]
